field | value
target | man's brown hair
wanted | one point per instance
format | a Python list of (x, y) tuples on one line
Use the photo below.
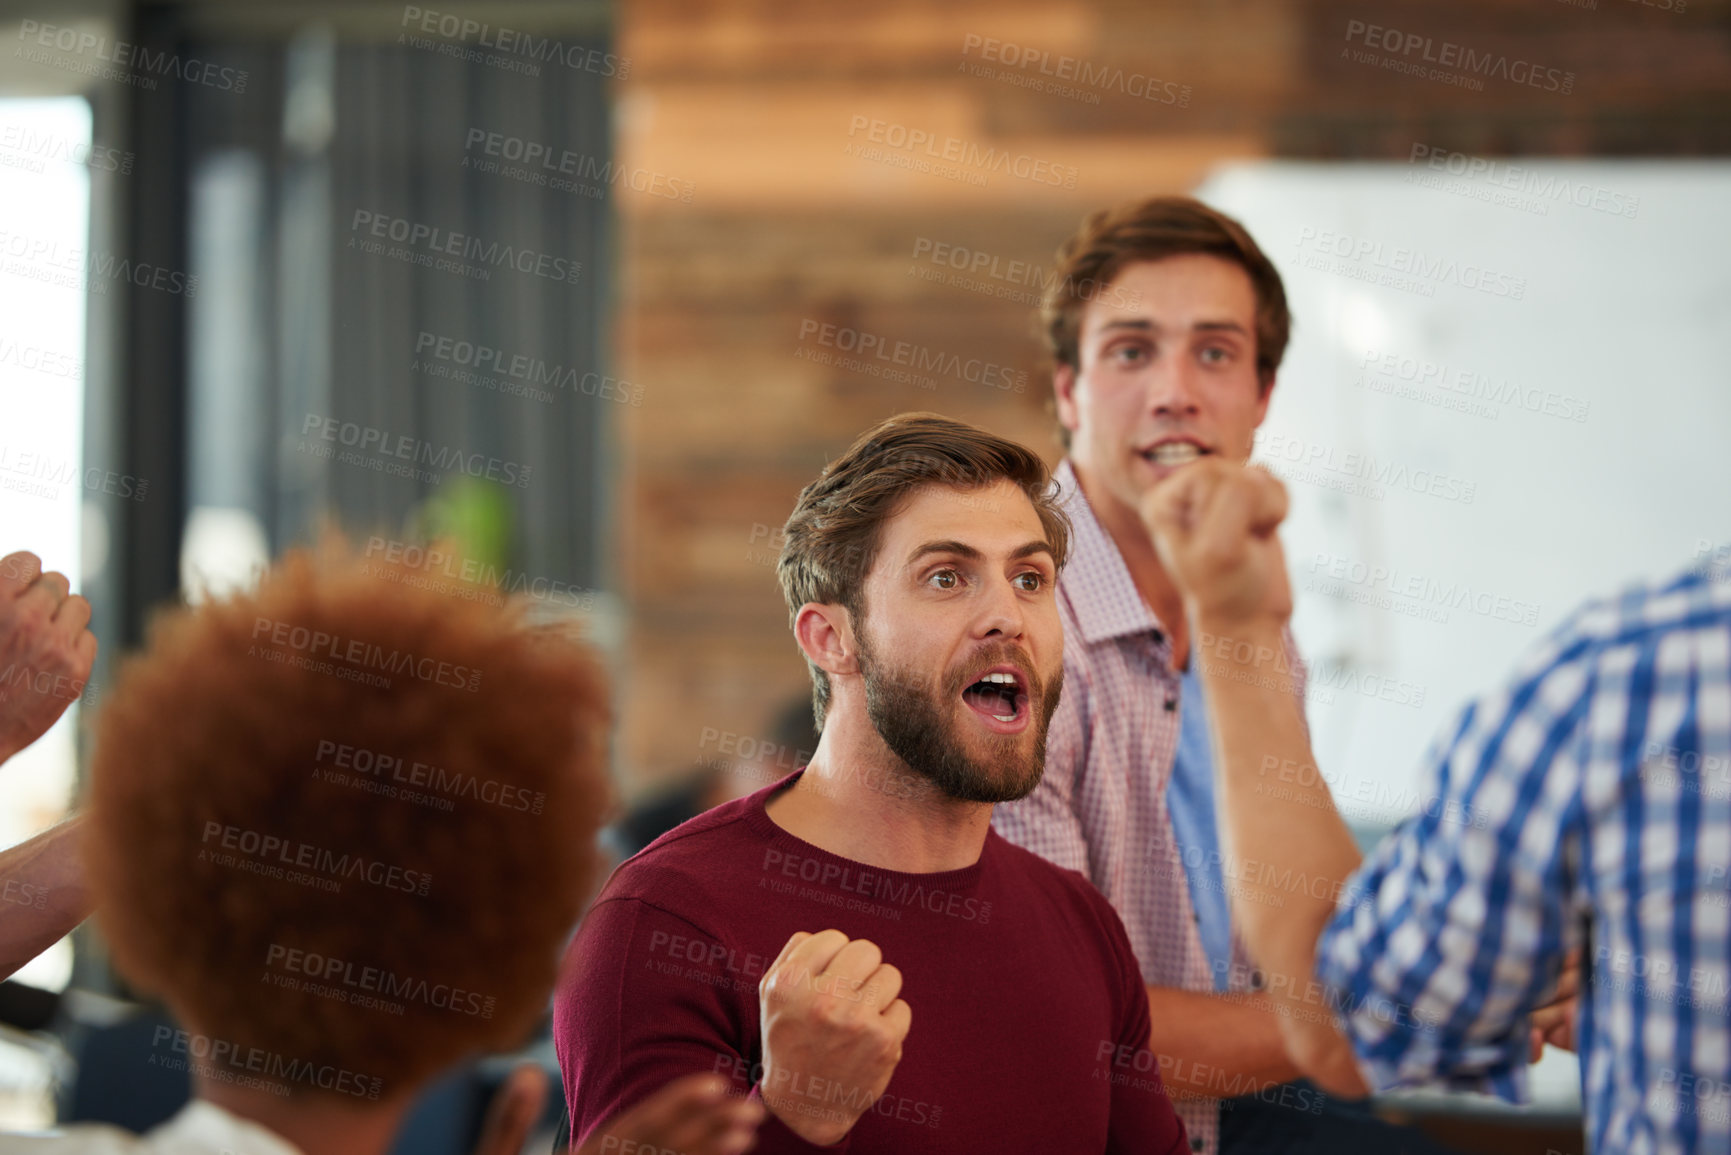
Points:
[(832, 536), (343, 824), (1148, 230)]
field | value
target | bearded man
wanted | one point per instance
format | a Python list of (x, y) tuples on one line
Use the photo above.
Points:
[(789, 939)]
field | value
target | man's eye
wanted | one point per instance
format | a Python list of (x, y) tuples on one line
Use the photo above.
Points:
[(945, 579), (1130, 353), (1032, 582), (1214, 355)]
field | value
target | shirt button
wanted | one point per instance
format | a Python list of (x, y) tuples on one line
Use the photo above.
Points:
[(1196, 1143)]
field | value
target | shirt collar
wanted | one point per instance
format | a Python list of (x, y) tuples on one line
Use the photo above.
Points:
[(1095, 581)]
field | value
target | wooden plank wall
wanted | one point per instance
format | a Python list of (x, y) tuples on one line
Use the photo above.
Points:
[(755, 107)]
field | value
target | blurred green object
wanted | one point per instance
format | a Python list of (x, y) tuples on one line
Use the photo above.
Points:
[(473, 514)]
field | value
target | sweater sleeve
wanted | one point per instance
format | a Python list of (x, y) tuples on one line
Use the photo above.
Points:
[(648, 998)]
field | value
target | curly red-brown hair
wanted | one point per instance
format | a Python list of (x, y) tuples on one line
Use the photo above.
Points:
[(248, 870)]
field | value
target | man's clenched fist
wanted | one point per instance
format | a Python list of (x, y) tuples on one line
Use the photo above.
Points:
[(45, 650), (1214, 525), (832, 1032)]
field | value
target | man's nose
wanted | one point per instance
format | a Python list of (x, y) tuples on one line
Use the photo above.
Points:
[(1173, 390), (1002, 613)]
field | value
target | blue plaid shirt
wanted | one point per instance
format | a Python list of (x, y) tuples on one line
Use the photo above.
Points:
[(1586, 803)]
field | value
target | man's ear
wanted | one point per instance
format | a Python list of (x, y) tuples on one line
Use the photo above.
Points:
[(825, 636), (1266, 385), (1064, 396)]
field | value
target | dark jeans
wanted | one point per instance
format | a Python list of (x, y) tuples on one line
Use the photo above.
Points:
[(1297, 1119)]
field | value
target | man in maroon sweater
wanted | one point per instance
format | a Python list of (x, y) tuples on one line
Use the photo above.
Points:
[(789, 939)]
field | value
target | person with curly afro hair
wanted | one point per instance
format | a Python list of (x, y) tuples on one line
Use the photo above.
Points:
[(343, 824)]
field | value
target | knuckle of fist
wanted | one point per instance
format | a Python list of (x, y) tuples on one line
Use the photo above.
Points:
[(834, 1015)]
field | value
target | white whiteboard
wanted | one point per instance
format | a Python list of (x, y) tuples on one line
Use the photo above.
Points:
[(1589, 419)]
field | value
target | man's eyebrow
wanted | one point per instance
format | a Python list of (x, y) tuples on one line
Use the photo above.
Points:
[(960, 549), (964, 550), (1143, 325)]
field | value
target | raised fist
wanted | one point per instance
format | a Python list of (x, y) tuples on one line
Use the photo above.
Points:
[(1214, 526), (833, 1028), (46, 651)]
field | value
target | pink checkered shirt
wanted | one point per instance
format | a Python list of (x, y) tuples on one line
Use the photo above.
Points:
[(1101, 807)]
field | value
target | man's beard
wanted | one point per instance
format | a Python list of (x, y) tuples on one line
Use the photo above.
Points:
[(914, 725)]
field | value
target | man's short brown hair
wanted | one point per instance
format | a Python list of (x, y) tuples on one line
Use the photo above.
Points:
[(1148, 230), (344, 824), (832, 536)]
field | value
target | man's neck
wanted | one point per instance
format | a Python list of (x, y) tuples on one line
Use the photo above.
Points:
[(1124, 525), (326, 1125), (859, 801)]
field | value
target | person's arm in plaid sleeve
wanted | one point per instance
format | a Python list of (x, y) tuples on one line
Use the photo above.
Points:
[(1459, 924)]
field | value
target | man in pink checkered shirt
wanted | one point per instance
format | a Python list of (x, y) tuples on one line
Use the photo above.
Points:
[(1166, 326)]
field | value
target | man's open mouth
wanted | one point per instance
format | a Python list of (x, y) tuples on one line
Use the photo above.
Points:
[(1171, 453), (1000, 694)]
